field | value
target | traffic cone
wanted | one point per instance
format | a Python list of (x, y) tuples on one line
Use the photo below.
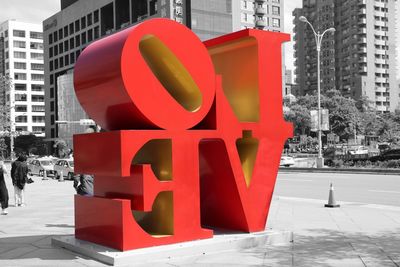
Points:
[(61, 177), (331, 202)]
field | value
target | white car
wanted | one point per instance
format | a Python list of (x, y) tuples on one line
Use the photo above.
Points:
[(39, 166), (66, 167), (286, 161)]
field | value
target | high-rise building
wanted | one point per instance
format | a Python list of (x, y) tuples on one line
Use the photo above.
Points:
[(359, 59), (22, 61), (81, 22)]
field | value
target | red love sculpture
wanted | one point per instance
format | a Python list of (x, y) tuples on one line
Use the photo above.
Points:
[(195, 134)]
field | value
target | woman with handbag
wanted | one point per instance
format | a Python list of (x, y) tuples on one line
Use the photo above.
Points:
[(3, 190)]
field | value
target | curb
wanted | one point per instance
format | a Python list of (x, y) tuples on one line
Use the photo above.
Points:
[(341, 170)]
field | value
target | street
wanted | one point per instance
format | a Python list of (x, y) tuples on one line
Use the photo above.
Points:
[(352, 235), (364, 188)]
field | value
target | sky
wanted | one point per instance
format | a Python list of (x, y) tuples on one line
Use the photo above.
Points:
[(38, 10)]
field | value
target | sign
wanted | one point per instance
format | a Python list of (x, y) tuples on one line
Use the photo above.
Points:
[(194, 134), (324, 120)]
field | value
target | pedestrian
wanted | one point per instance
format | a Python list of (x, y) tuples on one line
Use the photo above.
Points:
[(19, 176), (3, 190), (83, 184)]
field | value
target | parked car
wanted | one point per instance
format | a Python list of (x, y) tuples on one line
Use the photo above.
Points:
[(39, 166), (66, 166), (387, 155), (286, 161)]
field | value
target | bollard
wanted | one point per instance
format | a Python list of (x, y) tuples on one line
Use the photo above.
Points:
[(61, 177), (44, 175), (331, 201)]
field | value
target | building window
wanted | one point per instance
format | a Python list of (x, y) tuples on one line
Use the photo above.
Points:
[(77, 26), (19, 66), (52, 106), (55, 36), (83, 38), (37, 46), (96, 32), (19, 44), (19, 33), (60, 48), (20, 97), (37, 56), (60, 34), (36, 66), (89, 20), (19, 76), (51, 52), (19, 108), (276, 10), (90, 35), (37, 98), (55, 67), (21, 129), (36, 35), (66, 59), (77, 40), (276, 22), (83, 23), (55, 50), (51, 92), (52, 119), (37, 88), (96, 16), (20, 87), (65, 31), (21, 119), (53, 135), (71, 43), (71, 28), (38, 129), (72, 58), (66, 46), (37, 119), (77, 54), (61, 60), (19, 55), (37, 77)]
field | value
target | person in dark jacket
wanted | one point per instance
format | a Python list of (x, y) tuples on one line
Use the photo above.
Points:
[(3, 190), (19, 176), (83, 184)]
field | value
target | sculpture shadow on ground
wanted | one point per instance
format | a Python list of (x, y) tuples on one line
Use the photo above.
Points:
[(323, 247)]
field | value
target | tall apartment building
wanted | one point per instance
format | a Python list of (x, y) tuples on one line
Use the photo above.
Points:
[(22, 61), (359, 59), (81, 22)]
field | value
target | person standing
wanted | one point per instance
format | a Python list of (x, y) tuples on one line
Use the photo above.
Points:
[(19, 176), (3, 190)]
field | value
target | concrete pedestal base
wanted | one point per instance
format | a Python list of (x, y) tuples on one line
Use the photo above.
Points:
[(220, 242), (320, 162)]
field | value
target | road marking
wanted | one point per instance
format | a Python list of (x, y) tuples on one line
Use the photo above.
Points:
[(383, 191), (294, 180)]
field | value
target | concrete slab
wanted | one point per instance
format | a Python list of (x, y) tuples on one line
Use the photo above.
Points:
[(218, 244)]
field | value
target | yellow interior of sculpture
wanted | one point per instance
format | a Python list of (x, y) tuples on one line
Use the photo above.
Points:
[(171, 73), (160, 221), (247, 148), (237, 62)]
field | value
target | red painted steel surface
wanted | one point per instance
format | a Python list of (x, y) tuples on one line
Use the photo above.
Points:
[(220, 161)]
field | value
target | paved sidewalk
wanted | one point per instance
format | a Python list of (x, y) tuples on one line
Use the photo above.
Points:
[(354, 235)]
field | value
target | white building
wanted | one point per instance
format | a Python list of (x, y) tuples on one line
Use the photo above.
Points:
[(22, 61)]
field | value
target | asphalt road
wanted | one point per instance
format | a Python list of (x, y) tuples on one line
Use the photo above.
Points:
[(364, 188)]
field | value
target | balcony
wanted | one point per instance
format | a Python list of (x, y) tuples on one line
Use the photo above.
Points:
[(261, 23), (380, 42), (261, 11), (380, 61), (363, 69), (362, 2), (362, 21), (363, 59), (363, 50), (362, 40)]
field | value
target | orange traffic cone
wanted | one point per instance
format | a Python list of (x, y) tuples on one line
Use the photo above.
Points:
[(331, 202)]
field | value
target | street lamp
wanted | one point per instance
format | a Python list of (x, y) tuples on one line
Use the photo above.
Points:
[(318, 40)]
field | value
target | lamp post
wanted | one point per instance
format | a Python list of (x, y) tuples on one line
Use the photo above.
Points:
[(318, 41)]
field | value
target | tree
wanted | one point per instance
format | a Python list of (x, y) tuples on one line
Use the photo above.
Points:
[(3, 148), (30, 144)]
